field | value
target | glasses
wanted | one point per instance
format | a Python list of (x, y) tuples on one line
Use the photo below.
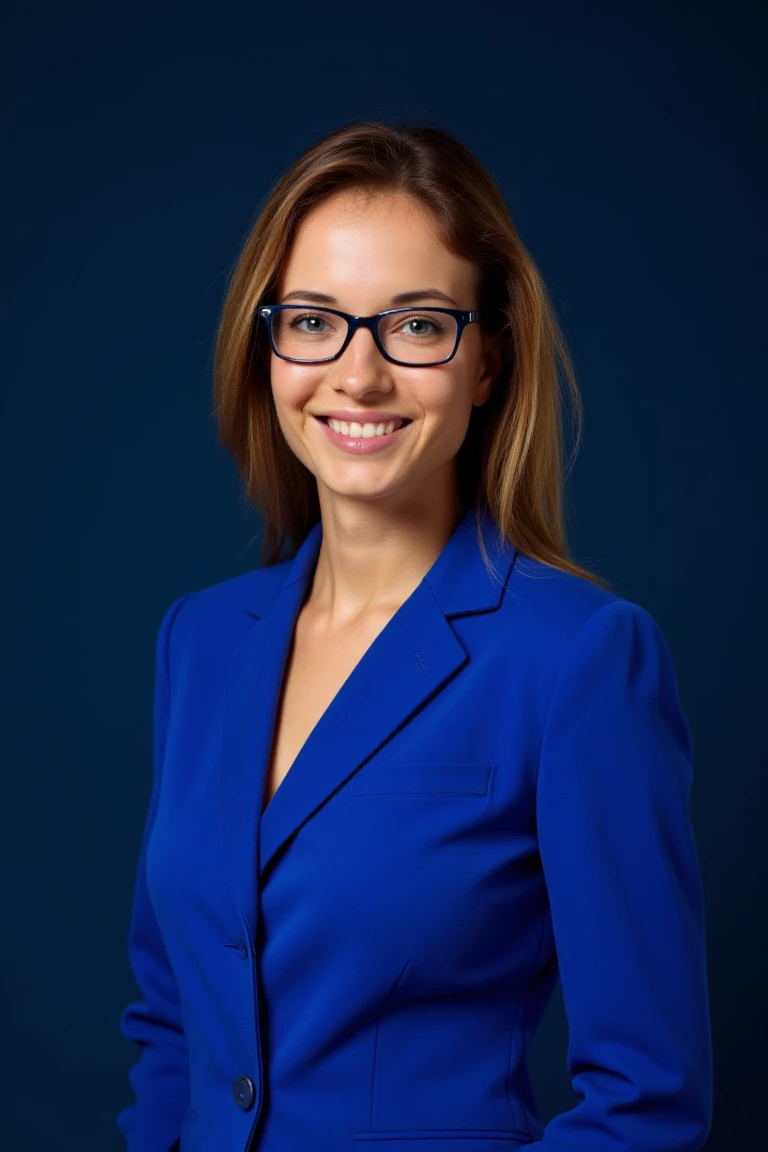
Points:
[(414, 337)]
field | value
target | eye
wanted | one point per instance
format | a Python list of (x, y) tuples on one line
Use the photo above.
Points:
[(412, 320), (312, 317)]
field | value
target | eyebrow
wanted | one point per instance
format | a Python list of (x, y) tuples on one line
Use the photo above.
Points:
[(402, 298)]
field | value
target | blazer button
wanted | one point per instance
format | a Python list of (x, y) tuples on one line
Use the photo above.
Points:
[(244, 1092)]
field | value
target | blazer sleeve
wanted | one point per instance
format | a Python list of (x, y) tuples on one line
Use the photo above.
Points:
[(160, 1076), (621, 867)]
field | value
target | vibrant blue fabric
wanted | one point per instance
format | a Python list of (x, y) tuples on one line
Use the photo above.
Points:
[(498, 792)]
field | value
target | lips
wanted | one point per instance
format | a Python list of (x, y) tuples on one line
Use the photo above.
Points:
[(357, 444)]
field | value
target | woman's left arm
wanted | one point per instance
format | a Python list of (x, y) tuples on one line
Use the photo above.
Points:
[(622, 872)]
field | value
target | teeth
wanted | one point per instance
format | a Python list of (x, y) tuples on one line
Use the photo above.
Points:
[(363, 431)]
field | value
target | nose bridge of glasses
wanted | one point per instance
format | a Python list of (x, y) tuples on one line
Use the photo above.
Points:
[(356, 323)]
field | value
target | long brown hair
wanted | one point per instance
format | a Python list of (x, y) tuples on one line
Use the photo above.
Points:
[(511, 461)]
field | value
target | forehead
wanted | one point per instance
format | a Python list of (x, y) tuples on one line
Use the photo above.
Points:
[(362, 249)]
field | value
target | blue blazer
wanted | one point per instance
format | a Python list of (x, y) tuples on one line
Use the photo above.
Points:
[(497, 795)]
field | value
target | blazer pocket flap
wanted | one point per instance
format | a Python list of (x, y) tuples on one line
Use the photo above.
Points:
[(441, 779)]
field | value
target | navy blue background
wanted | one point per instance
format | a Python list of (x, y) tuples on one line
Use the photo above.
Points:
[(139, 141)]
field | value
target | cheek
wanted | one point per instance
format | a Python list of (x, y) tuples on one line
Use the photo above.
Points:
[(292, 389), (446, 401)]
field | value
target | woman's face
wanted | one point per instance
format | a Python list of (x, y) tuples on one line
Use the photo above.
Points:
[(362, 252)]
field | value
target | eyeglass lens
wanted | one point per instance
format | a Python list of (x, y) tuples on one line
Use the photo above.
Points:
[(414, 337)]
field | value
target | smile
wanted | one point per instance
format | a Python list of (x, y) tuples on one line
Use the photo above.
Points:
[(365, 438)]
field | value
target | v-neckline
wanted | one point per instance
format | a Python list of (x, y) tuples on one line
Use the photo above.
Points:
[(283, 681)]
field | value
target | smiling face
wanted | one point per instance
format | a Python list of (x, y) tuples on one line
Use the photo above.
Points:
[(363, 252)]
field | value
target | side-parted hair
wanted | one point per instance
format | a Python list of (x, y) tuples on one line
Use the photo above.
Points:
[(511, 461)]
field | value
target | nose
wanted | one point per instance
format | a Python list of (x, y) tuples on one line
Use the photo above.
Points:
[(361, 367)]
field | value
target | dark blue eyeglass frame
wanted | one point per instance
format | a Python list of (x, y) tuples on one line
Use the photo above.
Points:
[(462, 318)]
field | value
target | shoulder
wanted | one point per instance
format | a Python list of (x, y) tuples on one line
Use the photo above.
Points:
[(553, 612), (599, 659), (209, 622)]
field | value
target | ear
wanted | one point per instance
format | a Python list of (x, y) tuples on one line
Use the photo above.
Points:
[(492, 360)]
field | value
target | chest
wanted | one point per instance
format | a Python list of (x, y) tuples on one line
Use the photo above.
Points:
[(317, 666)]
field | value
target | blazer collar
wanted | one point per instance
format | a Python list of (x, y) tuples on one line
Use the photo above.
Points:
[(419, 651), (458, 579)]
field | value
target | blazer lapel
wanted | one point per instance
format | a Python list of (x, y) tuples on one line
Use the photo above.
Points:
[(414, 655)]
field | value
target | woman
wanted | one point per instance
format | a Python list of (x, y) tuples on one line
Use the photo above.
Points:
[(406, 778)]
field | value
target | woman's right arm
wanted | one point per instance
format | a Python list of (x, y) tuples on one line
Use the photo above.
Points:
[(160, 1077)]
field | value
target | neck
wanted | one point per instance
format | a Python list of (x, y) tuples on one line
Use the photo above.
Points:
[(373, 555)]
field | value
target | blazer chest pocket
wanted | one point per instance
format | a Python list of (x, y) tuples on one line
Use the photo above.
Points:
[(440, 779)]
